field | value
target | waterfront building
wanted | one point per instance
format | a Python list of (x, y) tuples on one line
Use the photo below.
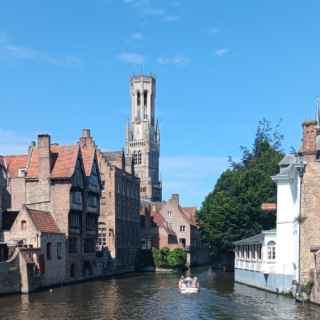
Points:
[(52, 178), (37, 229), (270, 260), (3, 206), (118, 228), (143, 137), (176, 227)]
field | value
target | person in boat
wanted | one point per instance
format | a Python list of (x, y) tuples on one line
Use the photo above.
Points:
[(181, 282)]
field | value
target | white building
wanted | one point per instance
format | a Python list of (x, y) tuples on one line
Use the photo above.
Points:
[(270, 260)]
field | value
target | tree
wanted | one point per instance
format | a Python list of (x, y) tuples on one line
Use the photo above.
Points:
[(232, 211), (171, 259)]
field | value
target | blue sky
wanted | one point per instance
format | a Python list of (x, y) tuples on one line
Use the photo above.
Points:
[(221, 66)]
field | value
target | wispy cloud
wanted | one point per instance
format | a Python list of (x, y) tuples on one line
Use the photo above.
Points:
[(193, 176), (171, 18), (12, 143), (175, 60), (25, 53), (137, 36), (131, 57), (221, 52)]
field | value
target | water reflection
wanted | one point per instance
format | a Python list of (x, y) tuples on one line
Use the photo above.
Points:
[(152, 297)]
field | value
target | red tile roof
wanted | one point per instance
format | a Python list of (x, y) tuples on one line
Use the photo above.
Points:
[(43, 221), (63, 161), (191, 213), (14, 163), (160, 221)]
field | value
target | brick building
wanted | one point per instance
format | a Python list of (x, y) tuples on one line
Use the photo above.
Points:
[(310, 199), (53, 178), (176, 227), (119, 230)]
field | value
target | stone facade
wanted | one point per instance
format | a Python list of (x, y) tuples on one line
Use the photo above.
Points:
[(176, 227), (119, 231), (310, 200), (143, 137), (53, 178)]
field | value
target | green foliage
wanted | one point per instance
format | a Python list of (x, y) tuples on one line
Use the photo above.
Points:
[(232, 211), (170, 259)]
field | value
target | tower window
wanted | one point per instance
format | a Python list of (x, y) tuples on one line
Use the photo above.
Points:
[(145, 97), (139, 157), (135, 157), (138, 98)]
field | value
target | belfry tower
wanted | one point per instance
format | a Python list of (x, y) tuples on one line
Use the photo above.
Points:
[(143, 137)]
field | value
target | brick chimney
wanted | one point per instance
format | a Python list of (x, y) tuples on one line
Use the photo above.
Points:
[(44, 143), (310, 132), (86, 137)]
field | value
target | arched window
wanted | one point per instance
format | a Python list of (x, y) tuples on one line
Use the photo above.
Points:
[(23, 225), (49, 245), (271, 250)]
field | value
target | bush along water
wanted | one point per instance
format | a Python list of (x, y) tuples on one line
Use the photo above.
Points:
[(169, 259)]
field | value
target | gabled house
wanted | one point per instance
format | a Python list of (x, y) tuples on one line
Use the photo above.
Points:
[(35, 229), (53, 178)]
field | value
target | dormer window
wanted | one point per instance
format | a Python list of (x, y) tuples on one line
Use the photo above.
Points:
[(22, 172)]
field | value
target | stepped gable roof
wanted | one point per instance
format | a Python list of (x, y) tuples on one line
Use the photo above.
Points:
[(161, 222), (14, 163), (43, 221), (87, 153), (63, 161)]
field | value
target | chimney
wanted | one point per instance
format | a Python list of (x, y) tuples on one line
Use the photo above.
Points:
[(86, 137), (86, 133), (310, 131), (175, 198), (44, 143)]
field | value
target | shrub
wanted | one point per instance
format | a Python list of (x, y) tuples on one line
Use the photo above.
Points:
[(166, 258)]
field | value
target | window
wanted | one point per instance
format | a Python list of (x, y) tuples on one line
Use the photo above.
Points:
[(74, 220), (135, 157), (182, 241), (22, 172), (139, 157), (93, 201), (59, 250), (271, 250), (138, 98), (49, 250), (169, 213), (76, 197), (259, 252), (89, 245), (91, 222), (23, 225), (182, 228), (73, 245)]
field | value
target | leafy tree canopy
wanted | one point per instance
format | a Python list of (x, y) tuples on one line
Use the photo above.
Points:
[(232, 211)]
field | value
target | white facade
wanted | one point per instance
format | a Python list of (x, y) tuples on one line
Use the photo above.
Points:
[(288, 212), (257, 253)]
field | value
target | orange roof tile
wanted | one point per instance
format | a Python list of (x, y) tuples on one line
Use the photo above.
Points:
[(269, 206), (160, 221), (63, 161), (14, 163), (43, 221)]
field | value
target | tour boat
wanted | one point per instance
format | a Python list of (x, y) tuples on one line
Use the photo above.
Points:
[(189, 290), (189, 286)]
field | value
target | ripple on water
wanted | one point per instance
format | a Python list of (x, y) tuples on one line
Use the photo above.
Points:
[(155, 297)]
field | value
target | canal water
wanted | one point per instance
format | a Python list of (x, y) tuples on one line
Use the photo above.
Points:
[(152, 297)]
